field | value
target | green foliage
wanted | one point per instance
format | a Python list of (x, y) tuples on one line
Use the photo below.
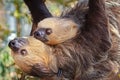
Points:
[(7, 70)]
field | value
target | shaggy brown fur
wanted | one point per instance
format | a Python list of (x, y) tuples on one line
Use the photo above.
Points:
[(92, 55)]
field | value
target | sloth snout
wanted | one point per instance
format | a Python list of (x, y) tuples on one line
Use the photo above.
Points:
[(41, 35), (16, 43)]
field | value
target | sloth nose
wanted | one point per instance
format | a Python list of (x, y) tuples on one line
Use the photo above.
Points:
[(16, 44), (42, 33), (39, 34)]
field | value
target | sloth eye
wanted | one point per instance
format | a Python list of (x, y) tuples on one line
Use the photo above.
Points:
[(48, 31), (23, 52)]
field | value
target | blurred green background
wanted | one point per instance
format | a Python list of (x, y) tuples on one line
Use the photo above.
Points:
[(15, 21)]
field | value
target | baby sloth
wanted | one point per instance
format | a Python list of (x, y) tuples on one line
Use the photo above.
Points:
[(50, 30)]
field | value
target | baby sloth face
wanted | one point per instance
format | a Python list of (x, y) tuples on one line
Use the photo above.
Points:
[(33, 57), (53, 31)]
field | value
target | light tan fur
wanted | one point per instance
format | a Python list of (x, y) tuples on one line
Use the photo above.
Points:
[(62, 29), (37, 53)]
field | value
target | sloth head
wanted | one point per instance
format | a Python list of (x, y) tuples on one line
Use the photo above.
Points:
[(33, 57), (53, 31)]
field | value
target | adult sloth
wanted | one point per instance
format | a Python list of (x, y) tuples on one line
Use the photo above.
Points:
[(87, 56)]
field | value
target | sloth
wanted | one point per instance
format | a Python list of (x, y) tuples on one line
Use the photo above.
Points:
[(56, 30), (37, 59), (93, 53), (53, 31)]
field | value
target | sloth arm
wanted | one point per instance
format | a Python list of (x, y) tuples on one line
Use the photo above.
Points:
[(96, 27)]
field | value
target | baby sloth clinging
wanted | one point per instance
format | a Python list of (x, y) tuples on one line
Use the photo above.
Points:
[(50, 30)]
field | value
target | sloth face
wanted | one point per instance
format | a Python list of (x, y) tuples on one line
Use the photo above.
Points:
[(33, 57), (55, 30)]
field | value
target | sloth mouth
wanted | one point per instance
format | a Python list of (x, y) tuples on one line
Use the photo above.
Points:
[(43, 39), (17, 43)]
